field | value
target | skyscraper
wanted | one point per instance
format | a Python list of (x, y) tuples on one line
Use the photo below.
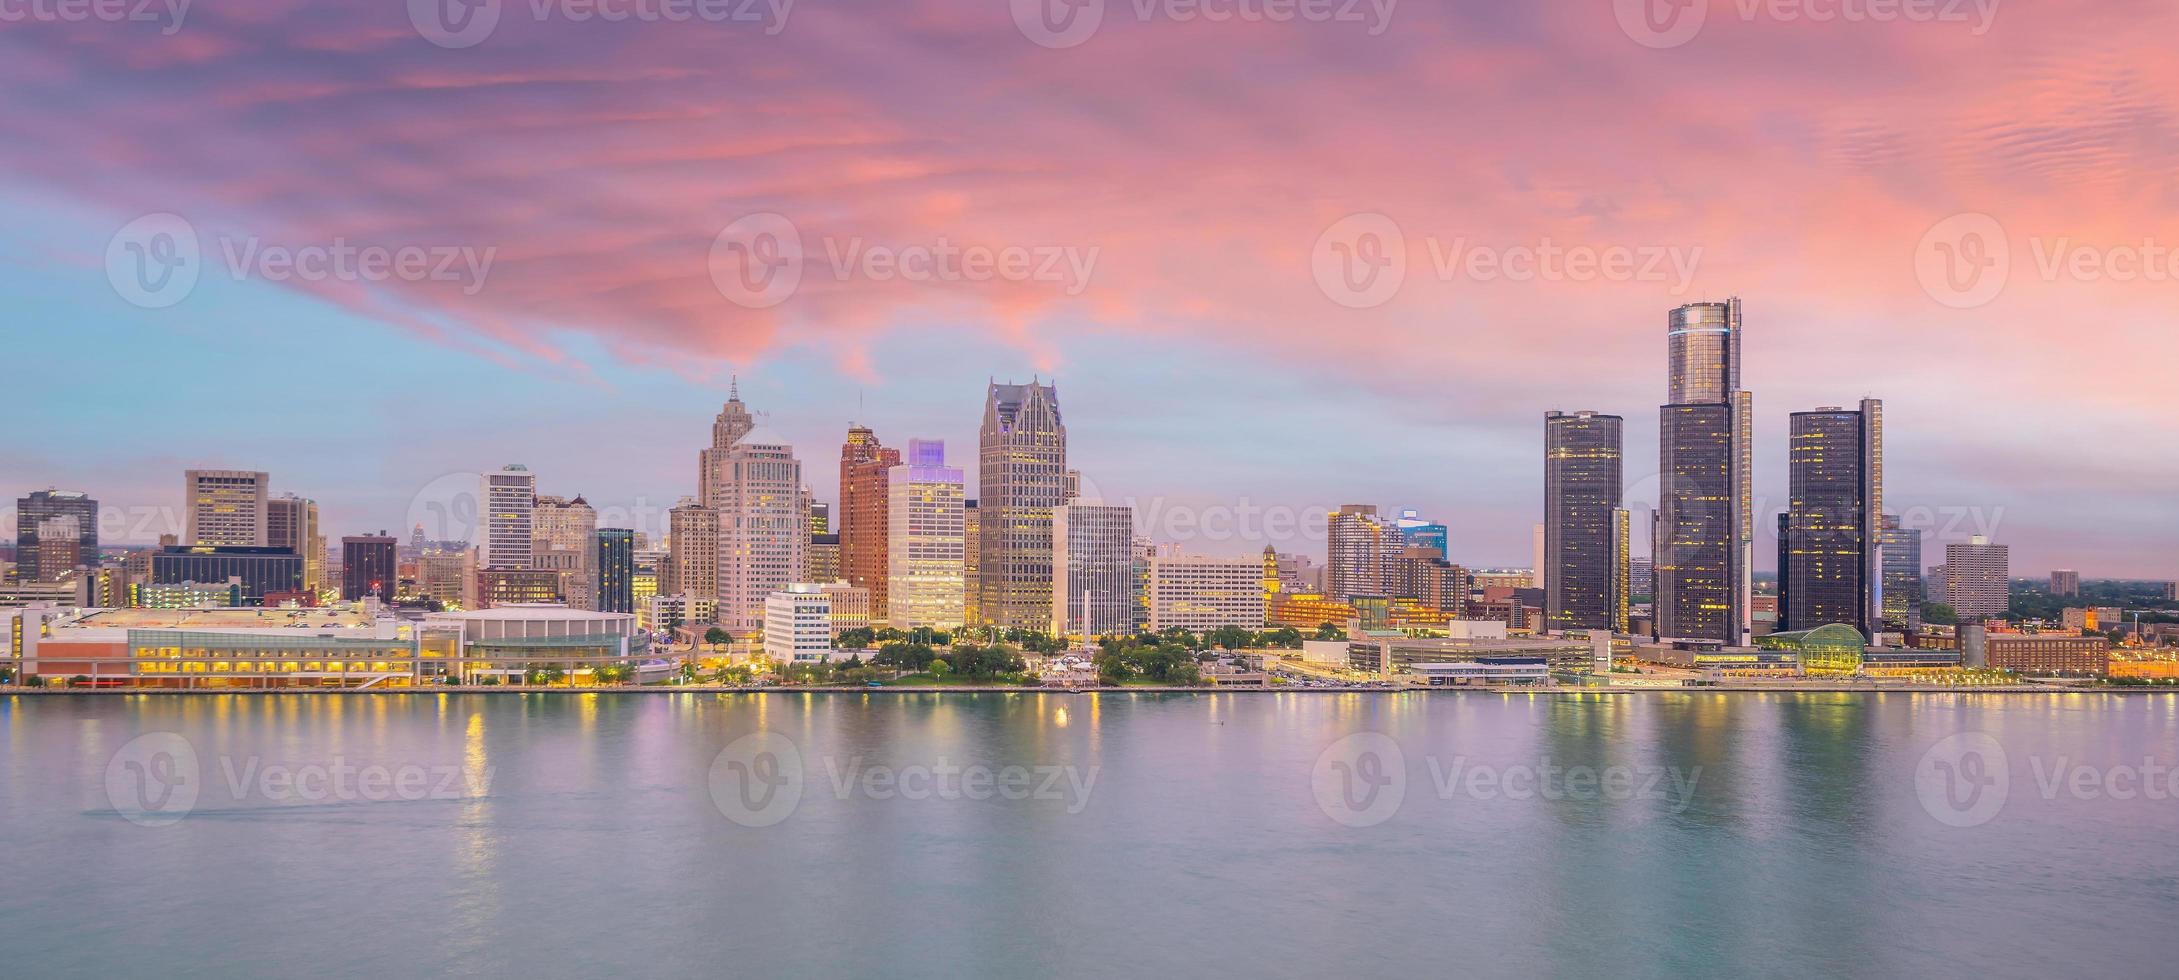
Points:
[(971, 557), (564, 540), (1703, 533), (510, 518), (292, 523), (2065, 582), (924, 556), (224, 507), (763, 527), (1585, 561), (367, 567), (1902, 582), (1093, 569), (1978, 578), (1021, 475), (1428, 534), (66, 518), (1830, 552), (616, 569), (1360, 550), (865, 464), (692, 552)]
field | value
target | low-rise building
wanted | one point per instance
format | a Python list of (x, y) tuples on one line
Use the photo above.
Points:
[(798, 624), (1200, 593)]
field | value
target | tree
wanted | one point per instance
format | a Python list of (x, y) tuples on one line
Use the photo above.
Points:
[(716, 638), (858, 638), (1939, 614), (1328, 631), (940, 669), (1231, 638)]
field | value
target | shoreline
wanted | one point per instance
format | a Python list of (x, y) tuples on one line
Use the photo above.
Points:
[(1006, 689)]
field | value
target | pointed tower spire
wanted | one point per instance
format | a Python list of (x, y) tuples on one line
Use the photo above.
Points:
[(733, 388)]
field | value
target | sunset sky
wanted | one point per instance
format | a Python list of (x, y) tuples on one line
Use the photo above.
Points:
[(1196, 172)]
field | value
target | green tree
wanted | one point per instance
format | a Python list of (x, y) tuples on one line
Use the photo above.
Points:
[(1328, 631), (858, 638), (1939, 614), (716, 638), (940, 669)]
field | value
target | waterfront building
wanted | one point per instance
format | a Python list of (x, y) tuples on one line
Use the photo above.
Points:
[(1978, 578), (683, 611), (1201, 593), (510, 518), (1902, 576), (850, 606), (1360, 550), (2065, 582), (763, 528), (56, 532), (1703, 532), (1584, 563), (1421, 574), (564, 540), (1830, 543), (1021, 477), (225, 508), (367, 567), (1093, 570), (615, 562), (261, 569), (798, 624), (865, 467), (924, 515)]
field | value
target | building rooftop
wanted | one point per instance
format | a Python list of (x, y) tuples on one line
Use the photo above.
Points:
[(226, 618)]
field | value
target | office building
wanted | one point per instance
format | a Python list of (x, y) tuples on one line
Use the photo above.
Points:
[(1977, 581), (824, 558), (615, 568), (2065, 582), (1584, 563), (1198, 593), (1703, 532), (763, 528), (1093, 570), (1021, 476), (510, 519), (1359, 552), (448, 577), (292, 523), (924, 554), (1830, 547), (564, 540), (865, 466), (820, 518), (367, 567), (798, 624), (225, 508), (518, 587), (1414, 531), (260, 569), (971, 558), (692, 551), (1902, 581), (56, 532), (683, 612)]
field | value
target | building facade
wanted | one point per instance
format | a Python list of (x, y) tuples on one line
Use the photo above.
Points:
[(925, 553), (1359, 552), (1902, 582), (1093, 570), (2065, 582), (56, 532), (1978, 578), (1703, 532), (510, 518), (798, 624), (1584, 563), (1021, 476), (615, 565), (1830, 550), (225, 508), (865, 466), (1198, 593), (367, 567)]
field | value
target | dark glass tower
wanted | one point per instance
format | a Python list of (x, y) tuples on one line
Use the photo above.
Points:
[(1902, 580), (1585, 560), (1704, 534), (367, 568), (67, 518), (616, 570), (1831, 569)]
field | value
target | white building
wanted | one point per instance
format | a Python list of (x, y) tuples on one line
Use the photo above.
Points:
[(225, 507), (564, 539), (684, 609), (798, 624), (510, 518), (1093, 569), (764, 537), (1199, 593), (926, 540)]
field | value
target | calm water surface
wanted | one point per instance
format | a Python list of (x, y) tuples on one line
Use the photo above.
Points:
[(1013, 835)]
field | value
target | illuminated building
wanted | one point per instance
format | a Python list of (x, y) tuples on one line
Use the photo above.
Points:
[(763, 534), (615, 563), (649, 568), (260, 569), (1416, 532), (1093, 570), (685, 611), (1584, 565), (1021, 476), (824, 558), (1830, 562), (1902, 582), (224, 507), (924, 556), (517, 586), (189, 595), (1307, 610), (292, 523), (865, 466), (65, 518), (510, 519), (1198, 593), (1703, 533), (366, 567), (1830, 649), (449, 577), (692, 551), (798, 624), (1977, 581), (850, 606), (971, 558), (820, 518), (1359, 552)]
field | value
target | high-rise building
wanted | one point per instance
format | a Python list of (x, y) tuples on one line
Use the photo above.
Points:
[(1703, 532), (292, 522), (2065, 582), (261, 570), (764, 536), (1414, 531), (367, 567), (1585, 561), (510, 518), (971, 556), (924, 556), (820, 518), (615, 564), (692, 553), (56, 531), (1902, 581), (865, 464), (1830, 550), (1978, 578), (824, 558), (1021, 476), (564, 540), (1198, 593), (224, 507), (1093, 570), (1359, 552), (449, 577)]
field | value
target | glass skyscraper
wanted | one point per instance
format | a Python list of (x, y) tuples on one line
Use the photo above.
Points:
[(1703, 537), (616, 565), (1902, 580), (1021, 475), (1830, 567), (1585, 560)]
